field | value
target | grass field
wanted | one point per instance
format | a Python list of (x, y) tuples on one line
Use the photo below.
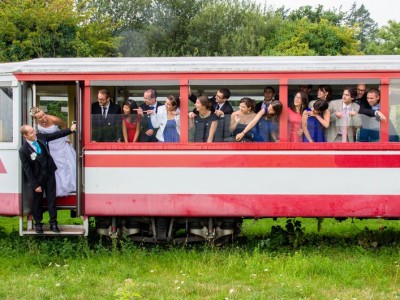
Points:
[(353, 259)]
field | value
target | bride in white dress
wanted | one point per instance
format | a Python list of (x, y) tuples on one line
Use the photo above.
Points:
[(61, 150)]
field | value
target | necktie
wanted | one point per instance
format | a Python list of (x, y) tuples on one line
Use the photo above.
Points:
[(344, 128), (151, 107), (37, 146), (104, 112)]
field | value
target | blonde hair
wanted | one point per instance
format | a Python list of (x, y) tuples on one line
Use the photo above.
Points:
[(34, 110)]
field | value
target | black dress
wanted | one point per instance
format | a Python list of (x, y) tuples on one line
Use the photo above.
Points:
[(202, 127)]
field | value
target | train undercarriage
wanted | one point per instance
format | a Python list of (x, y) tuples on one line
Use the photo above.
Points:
[(170, 230)]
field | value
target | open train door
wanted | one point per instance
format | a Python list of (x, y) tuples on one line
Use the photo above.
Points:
[(64, 100)]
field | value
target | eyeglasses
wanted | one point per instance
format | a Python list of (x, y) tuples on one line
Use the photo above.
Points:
[(147, 99), (102, 100), (359, 90), (219, 97)]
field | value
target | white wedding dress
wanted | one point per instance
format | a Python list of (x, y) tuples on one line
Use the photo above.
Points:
[(64, 156)]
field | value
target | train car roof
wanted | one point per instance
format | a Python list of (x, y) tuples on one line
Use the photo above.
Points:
[(206, 64), (6, 68)]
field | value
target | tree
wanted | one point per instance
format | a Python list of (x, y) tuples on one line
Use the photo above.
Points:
[(122, 14), (52, 28), (360, 18), (388, 40), (303, 37), (126, 19), (169, 31), (231, 28), (315, 15)]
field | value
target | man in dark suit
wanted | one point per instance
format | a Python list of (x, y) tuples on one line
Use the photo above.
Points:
[(106, 119), (269, 96), (39, 168), (361, 89), (147, 132)]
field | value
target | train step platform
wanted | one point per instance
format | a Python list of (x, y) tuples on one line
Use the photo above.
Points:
[(65, 230)]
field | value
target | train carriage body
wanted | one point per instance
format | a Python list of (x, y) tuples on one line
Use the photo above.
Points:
[(151, 190)]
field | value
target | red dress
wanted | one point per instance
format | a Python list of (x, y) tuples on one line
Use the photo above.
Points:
[(294, 125), (130, 128)]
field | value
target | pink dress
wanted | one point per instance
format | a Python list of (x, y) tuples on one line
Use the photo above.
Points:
[(294, 125)]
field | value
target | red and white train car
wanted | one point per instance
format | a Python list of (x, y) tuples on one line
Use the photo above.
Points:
[(167, 191)]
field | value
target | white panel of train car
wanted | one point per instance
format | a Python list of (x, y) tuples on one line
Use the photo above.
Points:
[(242, 180)]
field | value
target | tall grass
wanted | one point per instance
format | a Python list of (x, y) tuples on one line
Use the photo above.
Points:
[(345, 260)]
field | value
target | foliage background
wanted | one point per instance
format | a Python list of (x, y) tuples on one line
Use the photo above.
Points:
[(83, 28)]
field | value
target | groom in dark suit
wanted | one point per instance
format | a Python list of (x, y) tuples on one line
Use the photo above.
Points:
[(106, 119), (39, 168)]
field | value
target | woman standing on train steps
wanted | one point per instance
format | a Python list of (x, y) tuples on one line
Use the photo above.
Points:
[(61, 150)]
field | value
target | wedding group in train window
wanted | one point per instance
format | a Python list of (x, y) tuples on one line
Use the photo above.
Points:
[(353, 116)]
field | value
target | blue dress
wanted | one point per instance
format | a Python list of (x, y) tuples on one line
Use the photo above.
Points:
[(248, 137), (315, 128), (170, 133), (265, 130)]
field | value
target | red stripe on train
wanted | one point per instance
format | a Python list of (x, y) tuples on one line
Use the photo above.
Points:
[(387, 206), (10, 204), (2, 168), (244, 160)]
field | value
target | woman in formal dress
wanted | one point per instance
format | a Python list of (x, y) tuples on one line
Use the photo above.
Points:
[(167, 119), (265, 124), (130, 122), (295, 112), (315, 121), (241, 118), (324, 92), (61, 150), (205, 122)]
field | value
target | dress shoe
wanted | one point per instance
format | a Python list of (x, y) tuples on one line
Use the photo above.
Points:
[(54, 228), (39, 228)]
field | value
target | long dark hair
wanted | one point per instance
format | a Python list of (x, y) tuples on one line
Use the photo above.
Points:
[(304, 102), (132, 106), (277, 106), (175, 101), (327, 89)]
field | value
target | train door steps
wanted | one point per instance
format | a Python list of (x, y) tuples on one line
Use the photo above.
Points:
[(64, 230), (28, 228)]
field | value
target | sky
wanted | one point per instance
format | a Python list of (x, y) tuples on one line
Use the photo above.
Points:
[(381, 10)]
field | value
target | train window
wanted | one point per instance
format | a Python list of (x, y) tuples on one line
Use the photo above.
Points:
[(54, 100), (6, 115), (221, 110), (119, 125), (246, 98), (348, 111), (394, 110)]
